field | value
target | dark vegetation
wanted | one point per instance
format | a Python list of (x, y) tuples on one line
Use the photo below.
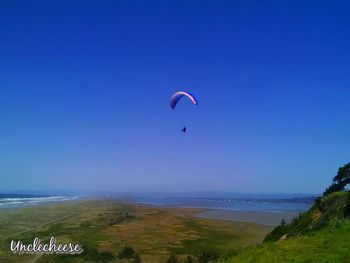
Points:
[(207, 257), (172, 259), (203, 257), (129, 253), (91, 253), (340, 180)]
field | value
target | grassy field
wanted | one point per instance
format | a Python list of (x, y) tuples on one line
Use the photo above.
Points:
[(106, 227)]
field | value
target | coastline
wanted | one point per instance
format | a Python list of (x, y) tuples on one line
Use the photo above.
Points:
[(257, 217), (18, 201), (260, 212), (267, 218)]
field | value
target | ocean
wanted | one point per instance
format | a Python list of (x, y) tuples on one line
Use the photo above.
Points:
[(268, 212), (232, 204), (20, 200)]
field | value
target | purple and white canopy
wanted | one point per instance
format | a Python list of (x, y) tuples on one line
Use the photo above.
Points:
[(178, 95)]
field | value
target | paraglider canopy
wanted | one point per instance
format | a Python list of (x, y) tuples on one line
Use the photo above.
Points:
[(178, 95)]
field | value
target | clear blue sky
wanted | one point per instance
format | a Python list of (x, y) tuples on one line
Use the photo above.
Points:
[(85, 89)]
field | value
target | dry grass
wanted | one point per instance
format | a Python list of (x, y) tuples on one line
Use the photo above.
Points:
[(109, 225)]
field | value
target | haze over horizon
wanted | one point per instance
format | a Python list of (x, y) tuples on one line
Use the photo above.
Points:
[(85, 90)]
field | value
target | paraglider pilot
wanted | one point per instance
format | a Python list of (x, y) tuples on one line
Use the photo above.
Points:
[(177, 96)]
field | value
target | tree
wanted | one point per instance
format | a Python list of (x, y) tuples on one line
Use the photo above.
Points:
[(283, 222), (343, 174), (340, 180)]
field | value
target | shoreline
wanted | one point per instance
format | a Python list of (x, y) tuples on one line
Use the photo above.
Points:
[(71, 202), (256, 217), (267, 218)]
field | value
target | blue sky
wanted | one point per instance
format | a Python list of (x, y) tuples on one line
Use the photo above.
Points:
[(85, 89)]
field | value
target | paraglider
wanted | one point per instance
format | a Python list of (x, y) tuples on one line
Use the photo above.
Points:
[(178, 96)]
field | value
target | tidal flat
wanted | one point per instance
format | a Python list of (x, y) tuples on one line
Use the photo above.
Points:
[(259, 217), (104, 227)]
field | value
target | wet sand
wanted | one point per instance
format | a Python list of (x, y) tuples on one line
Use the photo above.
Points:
[(264, 218)]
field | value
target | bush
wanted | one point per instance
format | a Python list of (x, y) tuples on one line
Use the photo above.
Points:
[(277, 232), (339, 223), (92, 253), (207, 257), (137, 258), (230, 254), (127, 252)]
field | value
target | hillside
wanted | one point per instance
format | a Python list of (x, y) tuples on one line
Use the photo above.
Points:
[(321, 234)]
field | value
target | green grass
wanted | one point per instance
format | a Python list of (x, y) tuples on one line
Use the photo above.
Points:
[(327, 245)]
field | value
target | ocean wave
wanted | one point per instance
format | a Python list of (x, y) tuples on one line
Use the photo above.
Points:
[(9, 202)]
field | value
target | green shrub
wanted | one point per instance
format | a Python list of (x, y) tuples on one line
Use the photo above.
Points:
[(127, 252), (91, 253)]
